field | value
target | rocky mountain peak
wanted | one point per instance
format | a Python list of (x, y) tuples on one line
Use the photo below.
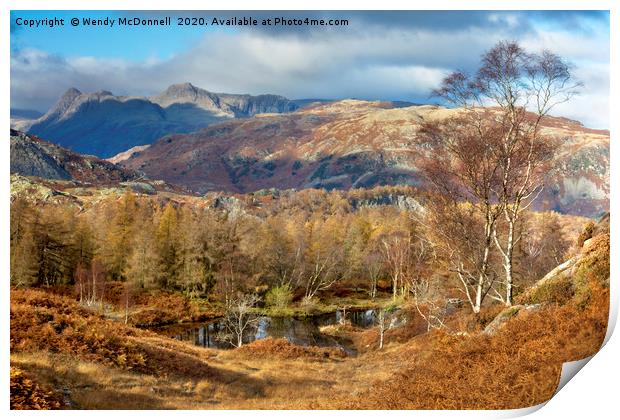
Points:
[(102, 124), (71, 93), (32, 156), (103, 93), (180, 90), (65, 101)]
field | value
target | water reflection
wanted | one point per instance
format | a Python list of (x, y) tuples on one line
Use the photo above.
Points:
[(300, 331)]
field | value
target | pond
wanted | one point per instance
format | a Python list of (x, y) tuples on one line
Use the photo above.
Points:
[(301, 331)]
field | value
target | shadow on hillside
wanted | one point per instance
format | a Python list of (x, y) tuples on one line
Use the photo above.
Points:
[(91, 390)]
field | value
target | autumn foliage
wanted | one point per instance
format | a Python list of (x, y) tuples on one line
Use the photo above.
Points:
[(43, 322), (518, 367), (280, 348), (458, 367), (28, 395)]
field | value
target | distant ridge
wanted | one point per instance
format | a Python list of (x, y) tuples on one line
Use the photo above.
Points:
[(104, 124), (354, 144)]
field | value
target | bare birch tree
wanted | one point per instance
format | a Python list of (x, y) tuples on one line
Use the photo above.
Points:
[(322, 253), (238, 319), (522, 88), (385, 316), (396, 251), (429, 307), (374, 265), (461, 163)]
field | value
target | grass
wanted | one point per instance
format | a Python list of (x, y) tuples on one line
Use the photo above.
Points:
[(326, 305), (238, 383), (515, 368)]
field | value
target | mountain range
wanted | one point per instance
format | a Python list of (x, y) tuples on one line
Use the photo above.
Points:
[(190, 137), (103, 124)]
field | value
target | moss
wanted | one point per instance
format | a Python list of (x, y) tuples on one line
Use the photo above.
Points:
[(593, 269), (510, 312), (559, 290), (585, 234), (595, 263)]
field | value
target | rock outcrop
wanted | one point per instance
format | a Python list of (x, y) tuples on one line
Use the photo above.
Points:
[(570, 282)]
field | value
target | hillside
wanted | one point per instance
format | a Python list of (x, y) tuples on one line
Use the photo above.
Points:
[(104, 124), (351, 144), (119, 157), (32, 156), (66, 355)]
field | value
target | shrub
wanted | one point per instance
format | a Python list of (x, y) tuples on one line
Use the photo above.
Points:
[(280, 348), (162, 308), (279, 297)]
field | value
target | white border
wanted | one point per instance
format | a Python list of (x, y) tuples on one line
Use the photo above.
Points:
[(592, 395)]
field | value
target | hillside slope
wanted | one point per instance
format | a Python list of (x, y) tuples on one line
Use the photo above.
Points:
[(518, 362), (350, 144), (32, 156)]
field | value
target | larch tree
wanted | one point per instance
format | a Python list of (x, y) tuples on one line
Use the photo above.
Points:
[(195, 274), (119, 236), (50, 259), (167, 246), (142, 262), (22, 242)]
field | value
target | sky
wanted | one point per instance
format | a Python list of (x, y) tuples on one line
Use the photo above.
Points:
[(397, 55)]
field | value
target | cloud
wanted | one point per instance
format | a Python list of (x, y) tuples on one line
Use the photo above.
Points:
[(389, 55)]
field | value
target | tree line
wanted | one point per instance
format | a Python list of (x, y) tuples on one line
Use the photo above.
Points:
[(216, 253)]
